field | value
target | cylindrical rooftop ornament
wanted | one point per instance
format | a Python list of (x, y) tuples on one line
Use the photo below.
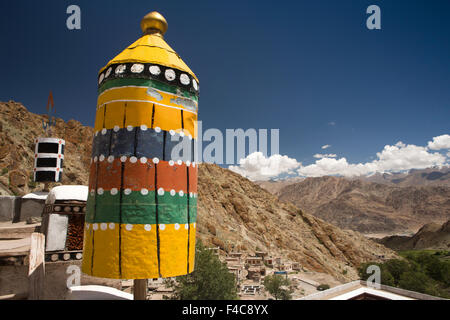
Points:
[(49, 152), (142, 205), (48, 159)]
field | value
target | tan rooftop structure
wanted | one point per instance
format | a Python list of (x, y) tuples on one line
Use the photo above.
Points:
[(261, 254), (359, 290), (269, 261), (253, 261), (237, 271), (296, 266), (233, 260)]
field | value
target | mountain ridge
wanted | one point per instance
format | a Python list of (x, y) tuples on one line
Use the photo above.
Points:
[(369, 207)]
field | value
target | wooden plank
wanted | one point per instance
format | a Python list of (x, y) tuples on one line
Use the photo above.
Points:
[(140, 289), (15, 296), (36, 269)]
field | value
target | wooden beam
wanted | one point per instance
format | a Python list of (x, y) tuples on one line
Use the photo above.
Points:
[(15, 296), (140, 289), (36, 269)]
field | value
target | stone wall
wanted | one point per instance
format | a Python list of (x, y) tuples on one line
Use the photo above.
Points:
[(31, 208), (17, 209), (9, 208)]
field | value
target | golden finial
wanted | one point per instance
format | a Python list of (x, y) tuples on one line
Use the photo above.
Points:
[(154, 22)]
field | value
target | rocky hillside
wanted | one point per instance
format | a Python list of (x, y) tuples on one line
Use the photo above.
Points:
[(18, 129), (370, 207), (234, 213), (430, 236)]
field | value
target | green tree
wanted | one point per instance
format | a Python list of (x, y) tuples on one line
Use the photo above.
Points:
[(323, 287), (397, 267), (417, 281), (210, 280), (278, 287)]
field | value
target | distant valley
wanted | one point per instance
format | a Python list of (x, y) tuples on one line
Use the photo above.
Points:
[(383, 204)]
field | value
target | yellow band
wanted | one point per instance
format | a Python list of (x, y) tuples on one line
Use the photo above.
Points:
[(138, 254), (136, 114)]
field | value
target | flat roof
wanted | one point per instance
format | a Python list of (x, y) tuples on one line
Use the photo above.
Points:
[(75, 192), (357, 288)]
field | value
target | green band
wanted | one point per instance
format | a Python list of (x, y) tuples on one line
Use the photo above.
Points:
[(140, 209), (117, 83)]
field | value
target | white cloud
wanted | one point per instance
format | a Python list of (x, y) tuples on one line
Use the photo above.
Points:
[(392, 158), (440, 142), (398, 157), (258, 167), (327, 155), (326, 146)]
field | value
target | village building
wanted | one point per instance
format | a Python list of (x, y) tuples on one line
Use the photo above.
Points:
[(237, 255), (269, 261), (296, 266), (261, 254), (253, 261)]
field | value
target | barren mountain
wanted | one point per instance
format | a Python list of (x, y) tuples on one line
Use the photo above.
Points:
[(413, 178), (18, 130), (275, 187), (370, 207), (430, 236), (234, 213)]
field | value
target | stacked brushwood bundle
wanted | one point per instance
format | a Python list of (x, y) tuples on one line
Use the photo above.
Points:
[(75, 230)]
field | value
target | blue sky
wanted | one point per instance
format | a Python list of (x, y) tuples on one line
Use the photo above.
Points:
[(310, 68)]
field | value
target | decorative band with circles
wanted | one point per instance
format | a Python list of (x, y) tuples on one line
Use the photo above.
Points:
[(153, 71), (142, 175), (129, 227), (142, 142), (147, 83)]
